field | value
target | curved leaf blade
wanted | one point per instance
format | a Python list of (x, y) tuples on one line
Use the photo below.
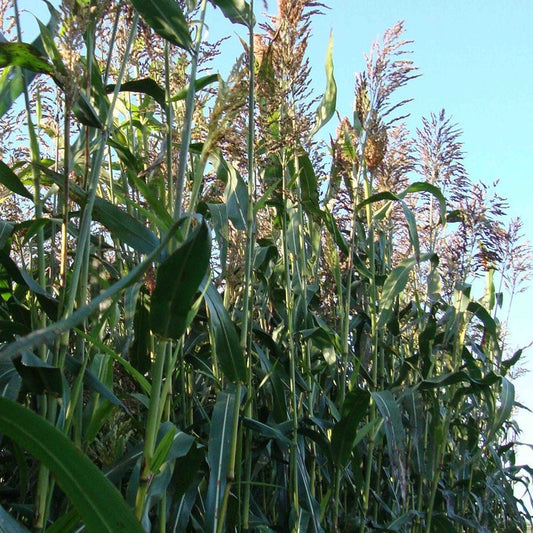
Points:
[(178, 280), (10, 180), (166, 19), (327, 106), (238, 11), (99, 503), (224, 338)]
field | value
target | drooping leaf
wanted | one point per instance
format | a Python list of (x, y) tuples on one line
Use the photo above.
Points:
[(167, 19), (309, 187), (10, 180), (395, 284), (82, 107), (146, 86), (225, 341), (178, 280), (23, 55), (38, 376), (92, 382), (327, 106), (423, 186), (100, 504), (344, 432), (20, 276), (235, 196), (394, 430), (12, 79), (238, 11), (199, 84), (6, 230), (218, 457)]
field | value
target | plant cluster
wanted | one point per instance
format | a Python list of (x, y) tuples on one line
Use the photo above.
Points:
[(212, 321)]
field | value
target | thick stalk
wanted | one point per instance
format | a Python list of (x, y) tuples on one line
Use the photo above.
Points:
[(152, 425)]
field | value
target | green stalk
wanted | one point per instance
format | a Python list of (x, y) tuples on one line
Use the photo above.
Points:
[(152, 425), (375, 346), (188, 119), (293, 466), (246, 337), (43, 481), (85, 226)]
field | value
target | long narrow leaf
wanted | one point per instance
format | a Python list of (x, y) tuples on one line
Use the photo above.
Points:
[(219, 455), (99, 503), (327, 106), (178, 280), (226, 344), (166, 19)]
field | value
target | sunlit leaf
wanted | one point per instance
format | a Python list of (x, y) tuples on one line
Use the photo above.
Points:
[(10, 180), (327, 106), (238, 11), (166, 19)]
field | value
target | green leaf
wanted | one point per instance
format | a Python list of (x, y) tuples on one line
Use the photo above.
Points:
[(395, 284), (238, 11), (224, 339), (92, 382), (236, 198), (37, 376), (505, 409), (422, 186), (166, 19), (178, 280), (20, 276), (146, 86), (309, 186), (12, 79), (23, 55), (394, 430), (200, 83), (218, 457), (100, 504), (480, 312), (344, 432), (6, 230), (68, 523), (442, 380), (10, 180), (161, 452), (327, 106)]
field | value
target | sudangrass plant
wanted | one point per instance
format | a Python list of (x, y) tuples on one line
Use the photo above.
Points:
[(205, 328)]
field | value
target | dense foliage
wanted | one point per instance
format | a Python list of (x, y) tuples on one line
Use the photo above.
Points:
[(210, 319)]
